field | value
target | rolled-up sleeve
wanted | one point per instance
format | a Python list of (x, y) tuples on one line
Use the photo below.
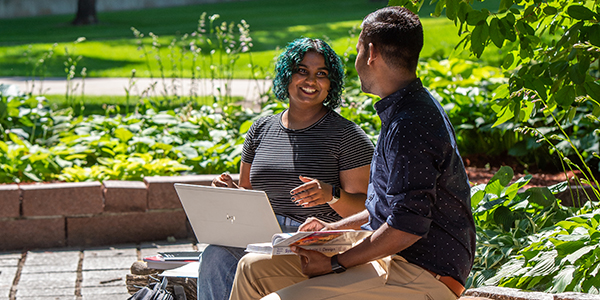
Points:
[(411, 186)]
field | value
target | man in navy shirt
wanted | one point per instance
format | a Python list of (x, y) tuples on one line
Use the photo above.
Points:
[(418, 201)]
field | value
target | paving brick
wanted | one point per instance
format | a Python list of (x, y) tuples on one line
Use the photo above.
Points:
[(9, 200), (161, 192), (47, 284), (32, 233), (51, 261), (109, 280), (7, 276), (117, 262), (65, 199), (121, 228), (125, 196)]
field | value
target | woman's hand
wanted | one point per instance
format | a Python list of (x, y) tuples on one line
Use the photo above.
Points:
[(224, 180), (313, 192)]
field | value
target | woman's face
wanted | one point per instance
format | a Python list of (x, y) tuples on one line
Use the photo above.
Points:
[(310, 83)]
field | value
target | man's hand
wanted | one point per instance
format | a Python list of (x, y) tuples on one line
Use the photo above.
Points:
[(312, 193), (314, 224), (314, 263), (224, 180)]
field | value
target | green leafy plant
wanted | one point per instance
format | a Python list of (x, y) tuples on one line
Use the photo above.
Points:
[(565, 257), (506, 216)]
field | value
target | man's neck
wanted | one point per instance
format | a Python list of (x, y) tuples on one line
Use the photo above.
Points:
[(391, 80), (395, 86)]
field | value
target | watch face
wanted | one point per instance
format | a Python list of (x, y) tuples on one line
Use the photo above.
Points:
[(336, 192)]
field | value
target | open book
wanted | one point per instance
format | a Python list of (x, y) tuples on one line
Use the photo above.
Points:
[(333, 241)]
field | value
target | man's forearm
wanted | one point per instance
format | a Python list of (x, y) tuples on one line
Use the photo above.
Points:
[(383, 242), (352, 222)]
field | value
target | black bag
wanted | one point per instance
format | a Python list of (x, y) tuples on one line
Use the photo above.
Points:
[(154, 291)]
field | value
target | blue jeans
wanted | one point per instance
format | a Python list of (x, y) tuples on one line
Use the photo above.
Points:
[(218, 264)]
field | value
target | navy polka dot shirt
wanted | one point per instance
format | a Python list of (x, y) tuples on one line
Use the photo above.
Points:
[(419, 185)]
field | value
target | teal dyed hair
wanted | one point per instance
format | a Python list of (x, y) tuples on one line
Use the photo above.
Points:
[(288, 61)]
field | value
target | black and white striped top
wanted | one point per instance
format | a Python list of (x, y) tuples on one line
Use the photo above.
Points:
[(278, 155)]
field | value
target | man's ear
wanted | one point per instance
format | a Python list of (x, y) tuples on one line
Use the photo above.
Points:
[(373, 54)]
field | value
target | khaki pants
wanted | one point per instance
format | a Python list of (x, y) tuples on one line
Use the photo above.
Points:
[(280, 277)]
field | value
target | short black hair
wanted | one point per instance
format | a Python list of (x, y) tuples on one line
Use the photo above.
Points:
[(288, 61), (397, 33)]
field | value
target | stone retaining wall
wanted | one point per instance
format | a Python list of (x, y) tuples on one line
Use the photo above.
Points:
[(84, 214)]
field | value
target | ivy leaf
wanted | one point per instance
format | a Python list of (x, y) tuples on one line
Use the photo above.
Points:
[(506, 113), (438, 8), (495, 33), (576, 75), (463, 10), (565, 96), (451, 9), (593, 90), (504, 5), (580, 12), (549, 10), (509, 59), (478, 38), (475, 17), (594, 35)]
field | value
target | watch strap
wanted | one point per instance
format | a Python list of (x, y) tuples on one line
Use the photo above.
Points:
[(336, 267)]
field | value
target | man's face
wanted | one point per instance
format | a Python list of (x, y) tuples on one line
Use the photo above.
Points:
[(362, 56)]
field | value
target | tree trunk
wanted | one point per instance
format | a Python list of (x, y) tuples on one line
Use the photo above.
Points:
[(86, 13)]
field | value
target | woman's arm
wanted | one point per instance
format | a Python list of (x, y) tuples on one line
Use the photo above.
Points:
[(353, 192), (224, 180)]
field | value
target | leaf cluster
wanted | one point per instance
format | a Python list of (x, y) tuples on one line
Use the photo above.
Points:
[(123, 147), (506, 215)]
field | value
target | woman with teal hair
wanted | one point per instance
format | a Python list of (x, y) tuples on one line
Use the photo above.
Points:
[(309, 160)]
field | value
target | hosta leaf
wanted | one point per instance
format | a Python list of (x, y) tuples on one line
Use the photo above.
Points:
[(573, 257), (504, 216), (562, 279), (494, 187), (245, 126), (165, 119), (504, 175), (541, 196), (123, 134), (476, 197), (545, 264)]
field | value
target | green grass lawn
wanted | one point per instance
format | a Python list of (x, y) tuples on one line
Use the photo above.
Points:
[(111, 50)]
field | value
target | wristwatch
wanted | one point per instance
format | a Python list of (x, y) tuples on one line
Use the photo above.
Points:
[(335, 265), (335, 194)]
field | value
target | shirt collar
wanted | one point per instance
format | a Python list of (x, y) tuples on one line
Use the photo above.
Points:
[(386, 107)]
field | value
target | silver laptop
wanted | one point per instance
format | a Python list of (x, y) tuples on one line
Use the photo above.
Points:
[(226, 216)]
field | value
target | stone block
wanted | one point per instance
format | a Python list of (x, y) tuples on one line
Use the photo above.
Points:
[(32, 233), (9, 200), (161, 192), (503, 293), (135, 227), (125, 196), (62, 199)]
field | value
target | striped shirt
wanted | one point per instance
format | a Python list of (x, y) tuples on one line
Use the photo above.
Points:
[(279, 155)]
